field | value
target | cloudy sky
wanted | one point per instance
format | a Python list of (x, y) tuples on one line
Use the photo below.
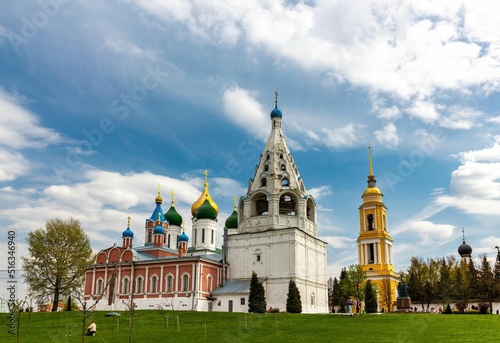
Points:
[(101, 101)]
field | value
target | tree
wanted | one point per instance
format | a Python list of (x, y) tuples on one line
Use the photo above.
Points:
[(336, 295), (257, 297), (465, 281), (342, 294), (386, 293), (486, 285), (354, 284), (431, 283), (416, 279), (57, 258), (446, 277), (370, 298), (293, 302)]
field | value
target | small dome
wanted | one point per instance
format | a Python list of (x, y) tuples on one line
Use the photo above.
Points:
[(159, 230), (127, 233), (276, 112), (372, 190), (204, 196), (465, 250), (158, 199), (206, 211), (173, 217), (183, 237), (232, 220)]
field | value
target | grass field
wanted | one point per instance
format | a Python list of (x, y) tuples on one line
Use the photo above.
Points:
[(150, 326)]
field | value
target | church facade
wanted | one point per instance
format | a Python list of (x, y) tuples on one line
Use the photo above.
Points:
[(272, 232)]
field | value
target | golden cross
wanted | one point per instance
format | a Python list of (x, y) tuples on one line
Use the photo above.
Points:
[(235, 197), (172, 196), (159, 185), (276, 97), (128, 224)]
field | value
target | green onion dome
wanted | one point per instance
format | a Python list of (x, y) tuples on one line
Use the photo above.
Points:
[(206, 211), (173, 217), (232, 220)]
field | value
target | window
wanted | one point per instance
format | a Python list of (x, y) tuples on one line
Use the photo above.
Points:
[(257, 258), (242, 301), (139, 284), (288, 205), (283, 167), (212, 236), (125, 286), (185, 283), (312, 299), (268, 156), (266, 168), (150, 236), (209, 284), (170, 282), (370, 222), (99, 286), (168, 240), (203, 235), (371, 253), (281, 155), (286, 183), (263, 182), (195, 237), (154, 281)]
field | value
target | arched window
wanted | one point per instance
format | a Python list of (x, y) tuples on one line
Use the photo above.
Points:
[(286, 183), (370, 222), (384, 222), (168, 240), (281, 155), (154, 282), (260, 205), (266, 168), (150, 236), (139, 285), (195, 238), (185, 283), (268, 156), (263, 182), (99, 287), (170, 282), (209, 283), (288, 205), (125, 286), (313, 298), (202, 235), (212, 232)]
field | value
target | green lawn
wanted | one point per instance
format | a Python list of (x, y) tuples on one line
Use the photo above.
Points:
[(149, 326)]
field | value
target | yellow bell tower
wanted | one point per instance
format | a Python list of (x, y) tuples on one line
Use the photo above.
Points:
[(375, 243)]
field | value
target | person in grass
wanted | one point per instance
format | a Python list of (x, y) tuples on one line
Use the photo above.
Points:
[(91, 329)]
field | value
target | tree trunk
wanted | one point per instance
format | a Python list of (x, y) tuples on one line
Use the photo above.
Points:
[(55, 304)]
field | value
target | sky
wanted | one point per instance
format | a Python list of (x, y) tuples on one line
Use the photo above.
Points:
[(101, 101)]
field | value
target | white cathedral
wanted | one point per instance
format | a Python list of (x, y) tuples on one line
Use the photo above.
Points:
[(272, 232)]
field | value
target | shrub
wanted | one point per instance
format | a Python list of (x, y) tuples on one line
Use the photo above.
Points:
[(483, 308), (447, 310), (461, 306)]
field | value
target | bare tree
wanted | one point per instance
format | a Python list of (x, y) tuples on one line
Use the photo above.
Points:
[(386, 293)]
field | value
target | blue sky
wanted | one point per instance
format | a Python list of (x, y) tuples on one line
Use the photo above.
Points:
[(101, 101)]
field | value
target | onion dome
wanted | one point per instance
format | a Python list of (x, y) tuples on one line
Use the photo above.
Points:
[(276, 112), (464, 249), (159, 228), (158, 210), (232, 220), (128, 233), (206, 211), (183, 237), (204, 196), (172, 216)]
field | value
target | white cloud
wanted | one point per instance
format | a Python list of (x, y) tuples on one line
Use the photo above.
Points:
[(460, 118), (12, 165), (241, 107), (431, 233), (388, 135), (121, 46), (320, 192), (484, 155), (344, 137), (424, 110), (19, 128)]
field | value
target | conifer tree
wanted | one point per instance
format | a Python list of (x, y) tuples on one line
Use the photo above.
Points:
[(257, 297), (293, 302), (370, 298)]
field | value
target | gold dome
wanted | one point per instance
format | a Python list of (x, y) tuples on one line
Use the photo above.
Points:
[(204, 196), (158, 199), (372, 190)]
